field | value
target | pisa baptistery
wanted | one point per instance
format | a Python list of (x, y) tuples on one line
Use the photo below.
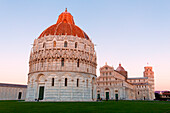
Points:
[(62, 65)]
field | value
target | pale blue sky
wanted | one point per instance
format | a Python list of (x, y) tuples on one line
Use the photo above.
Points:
[(132, 32)]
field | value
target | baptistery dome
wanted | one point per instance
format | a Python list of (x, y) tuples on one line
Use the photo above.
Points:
[(65, 26), (62, 65)]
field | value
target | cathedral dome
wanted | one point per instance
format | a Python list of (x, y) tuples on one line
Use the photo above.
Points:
[(65, 26), (120, 68), (122, 71)]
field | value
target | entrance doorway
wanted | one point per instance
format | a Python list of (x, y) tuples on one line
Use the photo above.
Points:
[(19, 95), (107, 95), (116, 96), (41, 92), (98, 96)]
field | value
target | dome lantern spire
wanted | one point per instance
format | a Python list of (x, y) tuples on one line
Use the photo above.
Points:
[(65, 17)]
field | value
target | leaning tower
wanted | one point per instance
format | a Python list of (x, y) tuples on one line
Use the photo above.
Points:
[(150, 74), (62, 65)]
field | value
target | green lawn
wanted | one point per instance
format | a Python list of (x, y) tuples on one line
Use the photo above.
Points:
[(81, 107)]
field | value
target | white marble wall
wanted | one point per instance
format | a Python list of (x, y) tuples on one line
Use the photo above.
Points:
[(60, 92), (11, 93), (123, 92)]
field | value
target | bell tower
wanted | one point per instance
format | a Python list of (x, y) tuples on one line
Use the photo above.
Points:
[(150, 74)]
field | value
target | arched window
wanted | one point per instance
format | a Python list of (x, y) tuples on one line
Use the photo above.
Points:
[(52, 82), (78, 61), (65, 21), (87, 83), (76, 45), (43, 44), (138, 92), (54, 44), (84, 46), (65, 44), (77, 82), (41, 62), (65, 81), (62, 62)]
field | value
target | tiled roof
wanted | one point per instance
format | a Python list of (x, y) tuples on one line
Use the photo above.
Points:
[(140, 83), (12, 85), (138, 78)]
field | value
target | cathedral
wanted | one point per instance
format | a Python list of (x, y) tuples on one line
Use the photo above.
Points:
[(62, 67), (115, 84)]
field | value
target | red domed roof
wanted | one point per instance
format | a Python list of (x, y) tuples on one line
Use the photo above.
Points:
[(120, 68), (65, 26)]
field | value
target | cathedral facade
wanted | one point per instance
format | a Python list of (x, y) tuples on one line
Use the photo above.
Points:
[(62, 65), (115, 84)]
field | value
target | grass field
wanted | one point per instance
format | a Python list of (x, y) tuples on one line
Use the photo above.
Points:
[(88, 107)]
